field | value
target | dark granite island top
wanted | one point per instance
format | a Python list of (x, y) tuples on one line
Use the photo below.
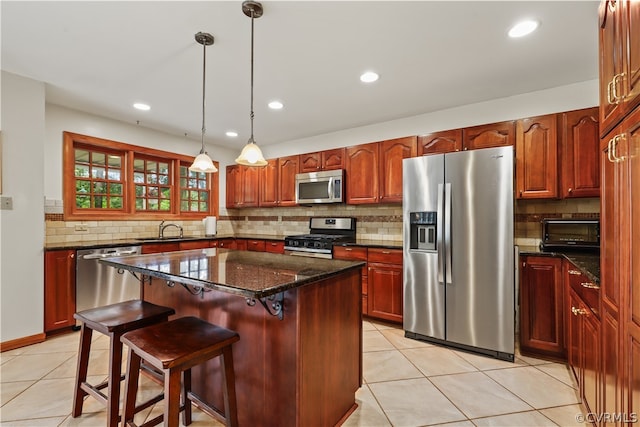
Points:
[(299, 358), (246, 273)]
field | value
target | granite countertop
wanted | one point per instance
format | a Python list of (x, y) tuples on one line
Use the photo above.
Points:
[(244, 273), (587, 262), (135, 241)]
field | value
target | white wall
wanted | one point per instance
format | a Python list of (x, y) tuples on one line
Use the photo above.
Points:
[(563, 98), (60, 119), (21, 277)]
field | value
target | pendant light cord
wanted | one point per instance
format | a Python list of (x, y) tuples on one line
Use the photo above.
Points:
[(204, 69), (251, 113)]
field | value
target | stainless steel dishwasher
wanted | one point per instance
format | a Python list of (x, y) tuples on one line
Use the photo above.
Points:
[(98, 284)]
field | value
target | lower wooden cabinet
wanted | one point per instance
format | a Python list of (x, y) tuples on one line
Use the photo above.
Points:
[(385, 284), (59, 289), (274, 246), (256, 245), (541, 306)]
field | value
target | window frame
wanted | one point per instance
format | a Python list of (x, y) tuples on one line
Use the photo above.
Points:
[(71, 141)]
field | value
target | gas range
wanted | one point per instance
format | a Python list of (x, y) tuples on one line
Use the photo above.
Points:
[(324, 233)]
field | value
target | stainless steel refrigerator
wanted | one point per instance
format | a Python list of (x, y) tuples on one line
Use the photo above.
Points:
[(459, 270)]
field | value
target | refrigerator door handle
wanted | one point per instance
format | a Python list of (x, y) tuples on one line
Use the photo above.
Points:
[(447, 233), (439, 240)]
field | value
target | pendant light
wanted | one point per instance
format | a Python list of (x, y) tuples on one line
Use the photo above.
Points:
[(202, 162), (251, 155)]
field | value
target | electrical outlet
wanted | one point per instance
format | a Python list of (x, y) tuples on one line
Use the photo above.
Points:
[(6, 203), (82, 227)]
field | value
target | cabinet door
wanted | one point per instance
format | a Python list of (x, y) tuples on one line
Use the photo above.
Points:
[(333, 159), (591, 361), (234, 187), (537, 157), (392, 152), (611, 48), (311, 162), (155, 248), (362, 174), (574, 332), (59, 289), (541, 306), (227, 243), (632, 30), (385, 292), (251, 185), (486, 136), (288, 168), (269, 188), (356, 254), (580, 148), (440, 142)]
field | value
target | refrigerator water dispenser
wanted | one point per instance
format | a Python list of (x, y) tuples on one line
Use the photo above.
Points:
[(423, 231)]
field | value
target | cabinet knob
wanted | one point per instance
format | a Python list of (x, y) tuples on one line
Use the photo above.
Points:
[(578, 311), (570, 190), (520, 192), (72, 255)]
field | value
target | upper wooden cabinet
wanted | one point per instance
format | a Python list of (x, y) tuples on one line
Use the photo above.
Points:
[(580, 154), (277, 182), (59, 289), (619, 61), (486, 136), (288, 167), (322, 160), (362, 173), (392, 152), (439, 142), (537, 157), (374, 170), (242, 186)]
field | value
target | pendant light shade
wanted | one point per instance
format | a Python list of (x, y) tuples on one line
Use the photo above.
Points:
[(251, 155), (202, 162)]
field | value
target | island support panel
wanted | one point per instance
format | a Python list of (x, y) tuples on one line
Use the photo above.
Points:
[(300, 371)]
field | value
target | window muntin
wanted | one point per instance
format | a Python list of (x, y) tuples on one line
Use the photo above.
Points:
[(98, 179), (108, 179), (152, 184), (194, 190)]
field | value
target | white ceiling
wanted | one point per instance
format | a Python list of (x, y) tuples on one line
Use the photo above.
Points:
[(101, 57)]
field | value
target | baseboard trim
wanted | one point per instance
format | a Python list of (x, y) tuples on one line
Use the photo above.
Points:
[(22, 342)]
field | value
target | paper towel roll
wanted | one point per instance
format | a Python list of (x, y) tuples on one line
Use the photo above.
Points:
[(210, 225)]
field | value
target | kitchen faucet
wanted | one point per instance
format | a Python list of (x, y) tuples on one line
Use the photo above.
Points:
[(162, 227)]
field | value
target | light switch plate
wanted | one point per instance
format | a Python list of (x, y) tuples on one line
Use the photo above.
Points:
[(6, 203)]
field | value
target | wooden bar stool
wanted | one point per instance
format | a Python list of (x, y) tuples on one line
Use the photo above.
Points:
[(175, 347), (112, 320)]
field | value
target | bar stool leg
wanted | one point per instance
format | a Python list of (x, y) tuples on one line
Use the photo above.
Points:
[(172, 396), (131, 387), (186, 388), (81, 373), (115, 373), (228, 383)]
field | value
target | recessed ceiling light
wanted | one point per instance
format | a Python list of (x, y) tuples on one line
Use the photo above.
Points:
[(231, 133), (523, 28), (276, 105), (369, 77), (141, 106)]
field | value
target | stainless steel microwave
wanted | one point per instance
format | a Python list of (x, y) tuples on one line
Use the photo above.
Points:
[(570, 234), (320, 187)]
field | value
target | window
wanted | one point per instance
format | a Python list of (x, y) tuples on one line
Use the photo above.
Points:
[(107, 179)]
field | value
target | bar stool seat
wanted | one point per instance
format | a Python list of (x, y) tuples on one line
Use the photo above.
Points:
[(111, 320), (175, 347)]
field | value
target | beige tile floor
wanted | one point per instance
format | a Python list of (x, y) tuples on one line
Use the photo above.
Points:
[(406, 383)]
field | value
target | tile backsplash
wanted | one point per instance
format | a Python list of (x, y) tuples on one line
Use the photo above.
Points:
[(378, 222)]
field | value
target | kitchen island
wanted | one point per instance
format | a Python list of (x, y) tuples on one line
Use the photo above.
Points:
[(299, 358)]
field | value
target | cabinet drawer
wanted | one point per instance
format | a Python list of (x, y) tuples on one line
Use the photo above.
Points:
[(588, 291), (256, 245), (350, 253), (274, 247), (385, 256)]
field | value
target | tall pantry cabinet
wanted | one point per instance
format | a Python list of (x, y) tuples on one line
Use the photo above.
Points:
[(619, 51)]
